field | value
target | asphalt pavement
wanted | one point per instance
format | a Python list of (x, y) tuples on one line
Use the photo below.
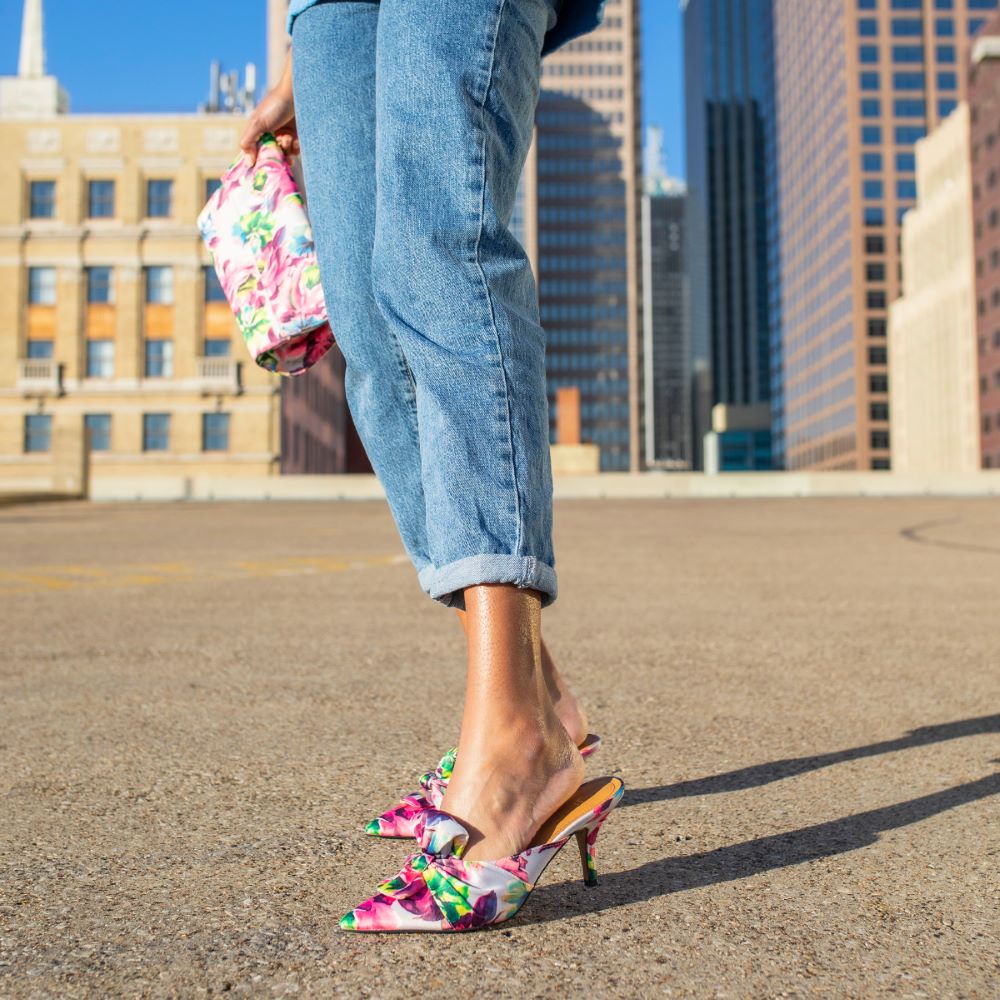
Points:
[(201, 705)]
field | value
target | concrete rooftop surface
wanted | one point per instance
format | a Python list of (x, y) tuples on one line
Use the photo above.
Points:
[(201, 705)]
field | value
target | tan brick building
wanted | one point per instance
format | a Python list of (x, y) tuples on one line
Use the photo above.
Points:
[(110, 313)]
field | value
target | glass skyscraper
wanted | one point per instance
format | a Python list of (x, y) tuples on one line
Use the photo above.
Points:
[(729, 97), (857, 83)]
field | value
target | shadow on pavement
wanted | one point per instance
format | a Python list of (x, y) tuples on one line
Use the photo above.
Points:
[(763, 774), (752, 857)]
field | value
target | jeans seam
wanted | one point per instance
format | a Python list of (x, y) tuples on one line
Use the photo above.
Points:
[(482, 273)]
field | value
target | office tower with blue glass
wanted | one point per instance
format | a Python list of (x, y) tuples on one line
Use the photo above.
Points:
[(857, 83), (579, 220), (729, 98)]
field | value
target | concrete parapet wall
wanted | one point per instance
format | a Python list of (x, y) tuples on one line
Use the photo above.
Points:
[(609, 484)]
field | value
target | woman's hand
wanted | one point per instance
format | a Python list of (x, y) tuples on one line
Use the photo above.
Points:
[(275, 113)]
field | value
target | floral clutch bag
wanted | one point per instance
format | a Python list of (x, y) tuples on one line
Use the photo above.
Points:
[(256, 228)]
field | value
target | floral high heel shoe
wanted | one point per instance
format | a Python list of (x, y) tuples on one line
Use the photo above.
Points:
[(401, 820), (437, 891)]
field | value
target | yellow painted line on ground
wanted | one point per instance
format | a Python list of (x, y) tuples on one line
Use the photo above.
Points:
[(38, 579)]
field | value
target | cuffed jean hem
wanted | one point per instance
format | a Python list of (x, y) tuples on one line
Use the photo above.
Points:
[(446, 585)]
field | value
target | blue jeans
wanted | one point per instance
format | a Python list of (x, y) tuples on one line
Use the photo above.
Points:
[(414, 122)]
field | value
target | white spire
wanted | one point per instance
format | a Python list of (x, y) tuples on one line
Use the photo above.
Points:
[(33, 93), (31, 61)]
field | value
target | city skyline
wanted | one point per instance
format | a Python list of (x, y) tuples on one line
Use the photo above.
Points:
[(176, 80)]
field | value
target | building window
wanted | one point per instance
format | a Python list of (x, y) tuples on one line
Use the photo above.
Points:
[(155, 431), (945, 27), (874, 244), (99, 287), (217, 347), (867, 4), (879, 411), (947, 81), (37, 432), (870, 107), (876, 327), (874, 215), (945, 53), (100, 358), (880, 463), (906, 4), (872, 189), (871, 135), (878, 383), (42, 200), (909, 107), (906, 189), (880, 439), (99, 426), (39, 350), (868, 54), (975, 23), (871, 161), (903, 27), (945, 106), (159, 359), (869, 81), (876, 355), (42, 286), (100, 199), (875, 271), (159, 284), (215, 432), (159, 198), (213, 287), (906, 162), (908, 81), (867, 27), (908, 53), (211, 186), (906, 135), (876, 300)]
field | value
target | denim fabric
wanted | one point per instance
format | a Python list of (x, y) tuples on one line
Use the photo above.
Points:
[(414, 122), (576, 17)]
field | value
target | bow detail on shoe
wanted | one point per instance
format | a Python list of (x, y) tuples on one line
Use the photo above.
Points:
[(436, 884), (434, 782)]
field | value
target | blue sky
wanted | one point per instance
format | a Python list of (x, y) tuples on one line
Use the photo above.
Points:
[(126, 56)]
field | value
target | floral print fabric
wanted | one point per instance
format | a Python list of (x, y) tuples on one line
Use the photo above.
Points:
[(437, 891), (256, 228)]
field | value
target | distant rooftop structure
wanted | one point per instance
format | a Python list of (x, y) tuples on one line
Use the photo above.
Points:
[(32, 93)]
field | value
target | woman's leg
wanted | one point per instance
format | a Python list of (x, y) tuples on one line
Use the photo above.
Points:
[(333, 67), (456, 91), (516, 763), (566, 706)]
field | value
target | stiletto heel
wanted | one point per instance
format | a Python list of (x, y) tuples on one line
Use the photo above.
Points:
[(437, 891), (401, 820), (586, 840)]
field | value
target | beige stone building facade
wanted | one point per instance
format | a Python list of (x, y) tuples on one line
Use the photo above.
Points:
[(934, 419), (112, 321)]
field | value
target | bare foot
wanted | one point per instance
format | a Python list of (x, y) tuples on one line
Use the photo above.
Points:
[(567, 708), (506, 789)]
